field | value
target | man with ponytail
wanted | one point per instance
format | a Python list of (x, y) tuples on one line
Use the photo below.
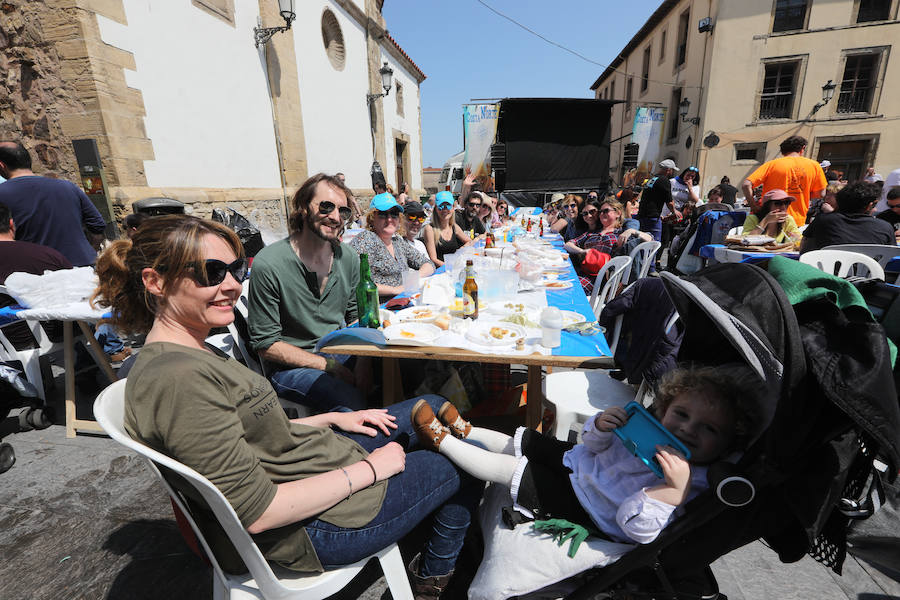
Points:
[(302, 288)]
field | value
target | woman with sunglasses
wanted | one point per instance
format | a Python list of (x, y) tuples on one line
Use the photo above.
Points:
[(771, 218), (444, 236), (604, 232), (389, 255), (316, 493), (414, 216), (503, 212), (570, 225)]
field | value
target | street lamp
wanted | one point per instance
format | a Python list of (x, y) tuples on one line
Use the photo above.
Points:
[(386, 73), (683, 108), (261, 35), (827, 95)]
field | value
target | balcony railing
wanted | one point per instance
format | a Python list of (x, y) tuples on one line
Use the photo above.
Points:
[(855, 101), (777, 105)]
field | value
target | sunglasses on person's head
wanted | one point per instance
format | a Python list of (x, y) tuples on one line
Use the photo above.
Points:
[(212, 272), (415, 218), (694, 169), (394, 213), (326, 207)]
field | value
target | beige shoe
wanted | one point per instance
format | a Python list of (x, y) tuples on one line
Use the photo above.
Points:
[(449, 416), (427, 427)]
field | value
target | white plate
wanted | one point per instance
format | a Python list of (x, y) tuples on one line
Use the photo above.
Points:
[(481, 333), (411, 334), (556, 285), (510, 307), (570, 317), (419, 314)]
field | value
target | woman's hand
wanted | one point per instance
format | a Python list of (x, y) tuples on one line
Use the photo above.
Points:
[(611, 418), (388, 460), (355, 422), (574, 249)]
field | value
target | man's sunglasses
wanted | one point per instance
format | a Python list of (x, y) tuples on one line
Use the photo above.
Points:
[(475, 204), (212, 272), (326, 207), (394, 213), (415, 219), (893, 205)]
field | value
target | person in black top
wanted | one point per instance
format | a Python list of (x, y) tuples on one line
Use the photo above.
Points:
[(729, 192), (892, 214), (851, 223), (467, 219), (657, 193)]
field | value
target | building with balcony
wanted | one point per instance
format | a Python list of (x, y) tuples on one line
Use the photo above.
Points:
[(735, 77)]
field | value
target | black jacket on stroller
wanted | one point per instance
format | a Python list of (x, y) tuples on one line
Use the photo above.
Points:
[(832, 409)]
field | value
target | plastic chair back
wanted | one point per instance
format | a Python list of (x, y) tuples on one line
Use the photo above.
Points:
[(109, 410), (881, 254), (734, 231), (842, 263), (645, 250), (613, 273)]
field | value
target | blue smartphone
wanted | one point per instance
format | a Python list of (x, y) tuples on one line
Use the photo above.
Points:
[(642, 433)]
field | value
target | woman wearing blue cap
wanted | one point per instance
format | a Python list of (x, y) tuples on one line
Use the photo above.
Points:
[(444, 236), (389, 257)]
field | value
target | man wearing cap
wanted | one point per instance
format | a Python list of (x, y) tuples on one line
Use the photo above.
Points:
[(467, 219), (772, 219), (302, 288), (799, 176), (658, 193), (851, 223)]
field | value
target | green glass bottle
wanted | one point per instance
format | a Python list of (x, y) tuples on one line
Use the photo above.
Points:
[(367, 295)]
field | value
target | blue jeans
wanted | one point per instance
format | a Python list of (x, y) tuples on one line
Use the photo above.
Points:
[(317, 389), (654, 228), (108, 338), (429, 484)]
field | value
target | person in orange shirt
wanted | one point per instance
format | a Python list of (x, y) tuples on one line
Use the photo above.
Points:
[(801, 177)]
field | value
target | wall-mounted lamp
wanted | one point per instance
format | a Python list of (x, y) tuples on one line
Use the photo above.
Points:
[(827, 95), (683, 108), (386, 73), (261, 35)]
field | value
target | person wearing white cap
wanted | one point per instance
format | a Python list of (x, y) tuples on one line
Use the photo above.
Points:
[(892, 180), (825, 164), (658, 193)]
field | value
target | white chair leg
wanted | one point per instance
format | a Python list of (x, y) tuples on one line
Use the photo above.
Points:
[(31, 364), (563, 424), (395, 574), (219, 589)]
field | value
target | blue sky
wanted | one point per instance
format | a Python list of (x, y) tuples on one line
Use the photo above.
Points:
[(469, 52)]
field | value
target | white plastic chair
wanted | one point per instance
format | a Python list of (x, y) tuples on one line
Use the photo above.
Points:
[(882, 254), (614, 271), (842, 263), (31, 357), (645, 250), (263, 581), (734, 231)]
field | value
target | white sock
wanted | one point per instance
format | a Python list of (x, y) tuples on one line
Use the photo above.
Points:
[(481, 464), (491, 440)]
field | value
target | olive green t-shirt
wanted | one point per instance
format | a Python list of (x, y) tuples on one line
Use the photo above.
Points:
[(284, 303), (214, 415)]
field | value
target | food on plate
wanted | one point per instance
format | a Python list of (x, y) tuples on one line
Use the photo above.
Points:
[(443, 321), (500, 333), (407, 334), (385, 323), (515, 307), (520, 319), (556, 284), (422, 313)]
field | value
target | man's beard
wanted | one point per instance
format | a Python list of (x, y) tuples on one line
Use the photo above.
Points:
[(312, 223)]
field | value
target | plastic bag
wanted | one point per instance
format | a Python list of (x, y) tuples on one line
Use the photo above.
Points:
[(248, 233)]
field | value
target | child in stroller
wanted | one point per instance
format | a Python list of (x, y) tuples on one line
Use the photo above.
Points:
[(599, 484)]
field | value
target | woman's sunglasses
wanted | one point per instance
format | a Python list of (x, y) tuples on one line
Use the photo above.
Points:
[(568, 206), (779, 203), (415, 219), (589, 213), (607, 210), (326, 207), (394, 213), (212, 272)]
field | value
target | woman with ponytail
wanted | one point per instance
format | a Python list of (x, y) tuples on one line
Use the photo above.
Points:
[(317, 492)]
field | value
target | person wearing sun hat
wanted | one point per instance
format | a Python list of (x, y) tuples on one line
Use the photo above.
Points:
[(443, 235), (389, 255), (772, 219)]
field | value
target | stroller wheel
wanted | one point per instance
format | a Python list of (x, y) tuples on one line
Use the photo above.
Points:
[(7, 457), (39, 418)]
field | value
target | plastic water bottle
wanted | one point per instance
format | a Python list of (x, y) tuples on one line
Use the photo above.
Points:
[(551, 327)]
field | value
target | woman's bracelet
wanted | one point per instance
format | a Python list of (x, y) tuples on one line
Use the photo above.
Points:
[(371, 466), (349, 483)]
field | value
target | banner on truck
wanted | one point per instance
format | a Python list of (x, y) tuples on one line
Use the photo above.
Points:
[(480, 122), (647, 132)]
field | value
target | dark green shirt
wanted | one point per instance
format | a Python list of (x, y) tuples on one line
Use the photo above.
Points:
[(214, 415), (284, 301)]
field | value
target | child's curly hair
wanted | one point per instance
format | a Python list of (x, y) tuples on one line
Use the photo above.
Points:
[(733, 386)]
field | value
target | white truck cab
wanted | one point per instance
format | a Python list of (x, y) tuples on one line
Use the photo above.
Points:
[(452, 174)]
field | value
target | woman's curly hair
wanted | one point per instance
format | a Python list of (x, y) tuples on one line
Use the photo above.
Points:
[(171, 245), (732, 386)]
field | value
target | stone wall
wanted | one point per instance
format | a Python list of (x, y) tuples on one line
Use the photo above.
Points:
[(37, 89)]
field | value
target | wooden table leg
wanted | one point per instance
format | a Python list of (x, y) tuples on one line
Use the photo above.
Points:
[(534, 409), (391, 384), (99, 356), (69, 362)]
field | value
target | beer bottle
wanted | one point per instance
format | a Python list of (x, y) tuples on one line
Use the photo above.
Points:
[(489, 240), (541, 230), (470, 293), (528, 227), (367, 295)]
